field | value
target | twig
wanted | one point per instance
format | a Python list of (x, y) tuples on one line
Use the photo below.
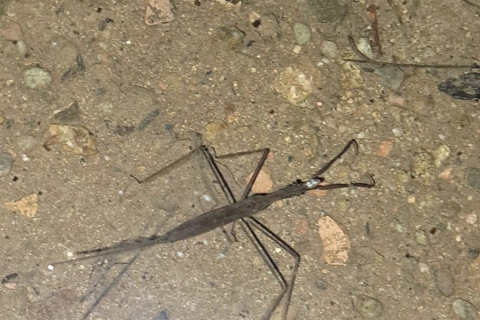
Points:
[(414, 65), (372, 17)]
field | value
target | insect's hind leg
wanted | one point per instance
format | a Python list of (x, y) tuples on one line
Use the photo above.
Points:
[(287, 286), (250, 223)]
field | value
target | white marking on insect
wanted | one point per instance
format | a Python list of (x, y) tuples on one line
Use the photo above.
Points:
[(312, 183)]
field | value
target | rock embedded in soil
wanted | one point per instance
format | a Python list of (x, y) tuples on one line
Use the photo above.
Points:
[(37, 78), (422, 166), (12, 32), (329, 49), (301, 226), (69, 115), (464, 310), (302, 33), (5, 163), (158, 12), (327, 10), (384, 148), (25, 142), (390, 76), (295, 83), (472, 176), (445, 282), (368, 307), (231, 36), (474, 275), (440, 155), (421, 238)]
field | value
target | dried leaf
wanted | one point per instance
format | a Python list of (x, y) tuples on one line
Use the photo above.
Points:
[(336, 243), (75, 138), (27, 205), (263, 183)]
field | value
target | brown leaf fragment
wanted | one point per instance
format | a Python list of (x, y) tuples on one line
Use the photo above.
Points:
[(75, 138), (28, 205), (336, 244), (263, 183)]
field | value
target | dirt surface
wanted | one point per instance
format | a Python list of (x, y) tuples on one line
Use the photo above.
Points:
[(125, 97)]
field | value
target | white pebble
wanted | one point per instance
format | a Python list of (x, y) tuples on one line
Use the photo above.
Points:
[(50, 267), (278, 250), (25, 158), (361, 135), (471, 218), (120, 192), (423, 267), (206, 198), (397, 132), (180, 254)]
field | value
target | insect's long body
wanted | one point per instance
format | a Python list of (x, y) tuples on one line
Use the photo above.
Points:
[(228, 214), (211, 220)]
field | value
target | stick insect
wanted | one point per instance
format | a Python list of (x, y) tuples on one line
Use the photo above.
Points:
[(242, 210)]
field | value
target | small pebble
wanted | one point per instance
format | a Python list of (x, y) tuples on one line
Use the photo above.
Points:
[(423, 167), (397, 132), (464, 309), (5, 163), (423, 267), (446, 174), (302, 33), (22, 49), (50, 267), (473, 177), (360, 135), (180, 254), (368, 307), (37, 78), (26, 142), (471, 218), (421, 238), (301, 226), (364, 46), (384, 148), (329, 49), (444, 282), (295, 83), (441, 154), (231, 36)]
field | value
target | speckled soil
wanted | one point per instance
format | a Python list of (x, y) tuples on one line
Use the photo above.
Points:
[(143, 90)]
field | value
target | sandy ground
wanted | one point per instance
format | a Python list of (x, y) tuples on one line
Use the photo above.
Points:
[(135, 94)]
